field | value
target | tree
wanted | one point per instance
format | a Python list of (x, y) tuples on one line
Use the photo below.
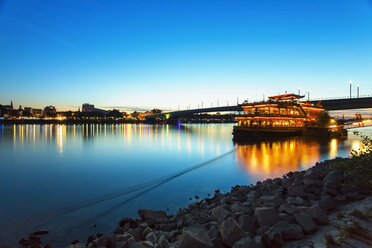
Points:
[(323, 119), (155, 111)]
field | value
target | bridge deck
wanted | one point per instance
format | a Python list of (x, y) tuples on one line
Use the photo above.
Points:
[(334, 104)]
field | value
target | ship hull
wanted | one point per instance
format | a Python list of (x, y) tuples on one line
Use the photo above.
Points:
[(240, 132)]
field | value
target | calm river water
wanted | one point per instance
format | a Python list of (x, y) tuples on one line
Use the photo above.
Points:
[(76, 180)]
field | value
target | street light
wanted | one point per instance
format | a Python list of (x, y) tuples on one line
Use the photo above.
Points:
[(351, 82), (357, 90)]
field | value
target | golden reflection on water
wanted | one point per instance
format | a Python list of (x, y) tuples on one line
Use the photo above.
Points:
[(333, 148), (260, 159), (355, 145), (275, 158)]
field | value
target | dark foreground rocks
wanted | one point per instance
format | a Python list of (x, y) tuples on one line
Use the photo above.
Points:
[(273, 213)]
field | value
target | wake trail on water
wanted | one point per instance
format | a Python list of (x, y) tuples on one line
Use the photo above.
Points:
[(146, 187)]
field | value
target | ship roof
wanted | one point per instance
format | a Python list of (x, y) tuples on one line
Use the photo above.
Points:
[(285, 97)]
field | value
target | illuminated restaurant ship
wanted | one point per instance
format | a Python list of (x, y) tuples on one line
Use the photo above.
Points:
[(281, 115)]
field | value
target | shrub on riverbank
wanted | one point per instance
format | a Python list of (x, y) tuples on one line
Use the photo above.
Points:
[(358, 168)]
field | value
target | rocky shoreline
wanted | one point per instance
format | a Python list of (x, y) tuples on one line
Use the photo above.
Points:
[(292, 211)]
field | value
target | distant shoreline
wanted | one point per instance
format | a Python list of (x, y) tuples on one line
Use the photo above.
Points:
[(84, 122)]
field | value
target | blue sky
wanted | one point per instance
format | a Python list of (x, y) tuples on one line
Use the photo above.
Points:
[(175, 53)]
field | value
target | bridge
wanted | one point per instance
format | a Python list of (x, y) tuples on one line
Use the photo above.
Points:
[(346, 103), (330, 104)]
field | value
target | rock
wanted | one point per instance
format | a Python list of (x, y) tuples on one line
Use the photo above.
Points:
[(306, 222), (312, 182), (354, 196), (296, 191), (152, 216), (143, 244), (331, 192), (289, 209), (340, 198), (317, 214), (272, 200), (163, 242), (247, 223), (266, 216), (289, 231), (262, 230), (333, 180), (313, 173), (246, 242), (168, 227), (132, 223), (286, 217), (121, 238), (104, 241), (327, 203), (151, 237), (298, 201), (347, 189), (238, 207), (220, 213), (231, 231), (146, 231), (127, 243), (195, 238), (272, 239)]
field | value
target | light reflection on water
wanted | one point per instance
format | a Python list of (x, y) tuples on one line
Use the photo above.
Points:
[(47, 167)]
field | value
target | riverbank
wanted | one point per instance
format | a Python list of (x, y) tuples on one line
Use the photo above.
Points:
[(102, 122), (322, 204)]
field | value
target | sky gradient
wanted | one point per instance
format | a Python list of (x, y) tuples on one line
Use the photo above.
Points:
[(174, 53)]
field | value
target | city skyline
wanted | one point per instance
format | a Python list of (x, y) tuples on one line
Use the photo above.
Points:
[(170, 54)]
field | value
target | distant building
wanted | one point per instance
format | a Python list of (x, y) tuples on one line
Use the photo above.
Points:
[(88, 108), (37, 112), (50, 111), (9, 107), (29, 110)]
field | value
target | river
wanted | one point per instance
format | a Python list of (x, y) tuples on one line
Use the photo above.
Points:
[(76, 180)]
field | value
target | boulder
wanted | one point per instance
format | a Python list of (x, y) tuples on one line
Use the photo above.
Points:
[(220, 213), (152, 216), (272, 239), (151, 237), (327, 203), (163, 242), (246, 242), (238, 207), (298, 201), (313, 173), (286, 217), (333, 180), (197, 238), (288, 209), (339, 198), (231, 231), (306, 222), (266, 216), (347, 189), (296, 191), (272, 200), (143, 244), (316, 213), (289, 231), (354, 196), (247, 223), (312, 182)]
